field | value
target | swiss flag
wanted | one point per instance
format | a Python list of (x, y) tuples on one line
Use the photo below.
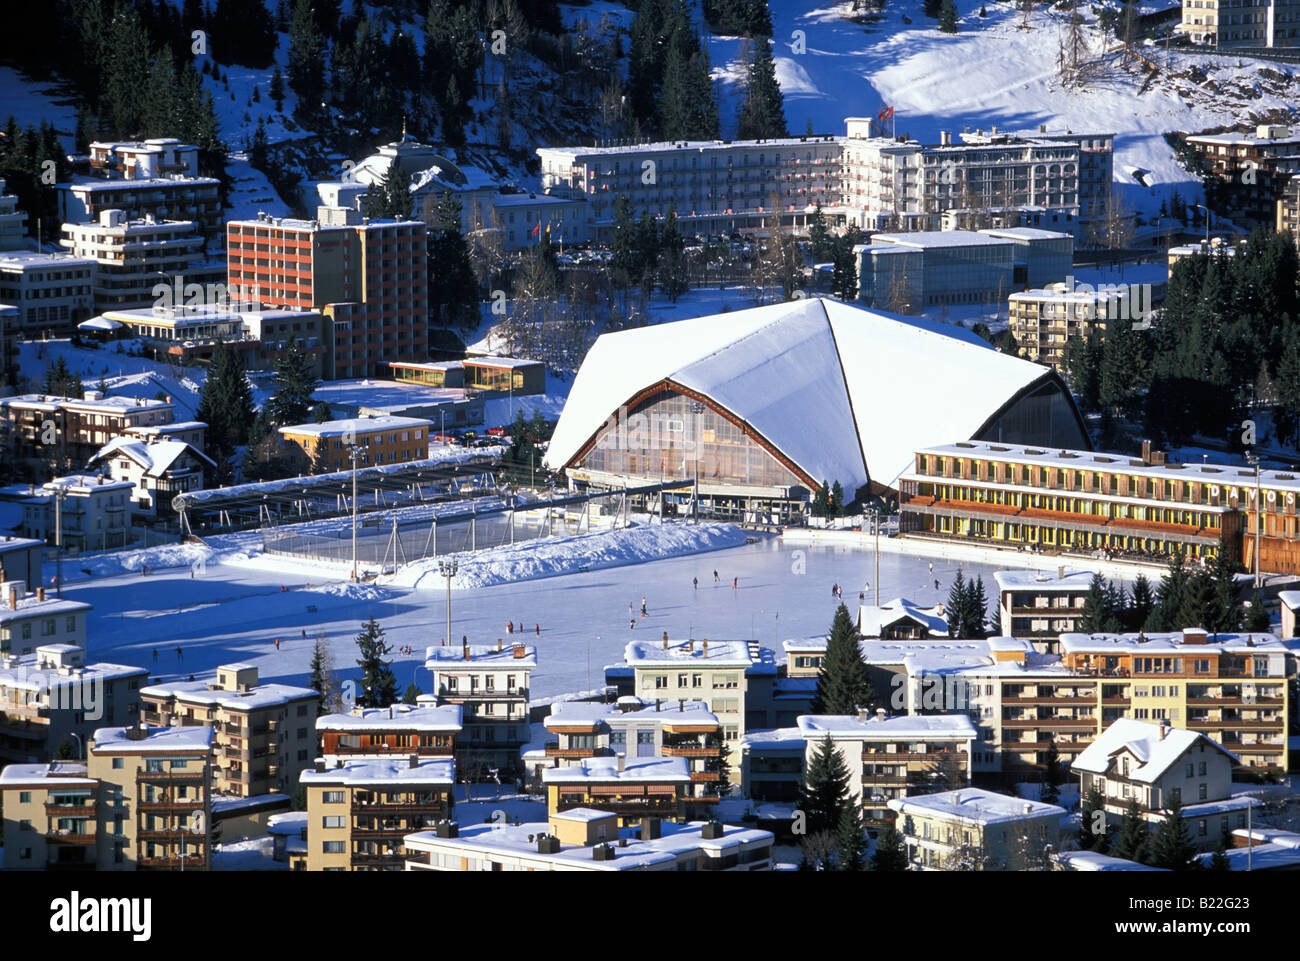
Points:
[(886, 114)]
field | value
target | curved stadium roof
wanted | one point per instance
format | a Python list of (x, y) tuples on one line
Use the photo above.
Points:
[(842, 393)]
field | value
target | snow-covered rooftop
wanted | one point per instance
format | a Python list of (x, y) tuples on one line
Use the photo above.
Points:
[(31, 606), (156, 458), (582, 815), (204, 692), (354, 426), (383, 772), (1095, 861), (158, 740), (593, 712), (954, 726), (698, 653), (606, 770), (873, 620), (405, 717), (806, 376), (974, 805), (25, 673), (481, 657), (53, 775), (1072, 581), (1175, 642), (1155, 748)]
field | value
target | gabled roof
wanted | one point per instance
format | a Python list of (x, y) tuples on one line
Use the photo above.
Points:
[(1154, 754), (156, 458), (817, 379), (872, 620)]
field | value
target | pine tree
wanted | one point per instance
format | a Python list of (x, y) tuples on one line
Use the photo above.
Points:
[(821, 500), (762, 112), (412, 694), (453, 289), (378, 684), (1227, 607), (293, 384), (1172, 847), (1052, 775), (1140, 604), (1091, 839), (844, 269), (850, 841), (891, 851), (976, 605), (321, 673), (956, 609), (672, 259), (1169, 596), (1132, 841), (1098, 615), (1257, 619), (277, 89), (843, 685), (835, 506), (1219, 861), (226, 403), (826, 788), (948, 17)]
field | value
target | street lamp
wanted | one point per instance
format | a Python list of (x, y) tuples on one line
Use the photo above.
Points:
[(60, 492), (1207, 225), (354, 452), (448, 570), (875, 523), (697, 408)]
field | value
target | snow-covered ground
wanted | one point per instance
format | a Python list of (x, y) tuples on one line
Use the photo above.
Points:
[(231, 609)]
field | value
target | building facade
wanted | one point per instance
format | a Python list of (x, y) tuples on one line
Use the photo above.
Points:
[(326, 447), (53, 292), (973, 829), (491, 686), (1241, 23)]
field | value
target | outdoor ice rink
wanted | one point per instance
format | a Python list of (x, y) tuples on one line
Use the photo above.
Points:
[(235, 611)]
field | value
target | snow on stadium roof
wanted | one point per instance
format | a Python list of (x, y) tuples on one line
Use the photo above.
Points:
[(775, 368)]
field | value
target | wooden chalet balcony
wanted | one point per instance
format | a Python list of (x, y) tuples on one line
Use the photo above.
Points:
[(1234, 701), (428, 750), (554, 750), (705, 775), (71, 810), (170, 777), (70, 837), (1082, 723), (689, 750), (1240, 747), (884, 757)]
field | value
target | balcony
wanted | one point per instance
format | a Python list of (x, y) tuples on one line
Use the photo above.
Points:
[(1049, 700), (879, 757), (180, 804), (192, 862), (415, 807), (170, 777), (69, 837), (86, 810), (1234, 701), (554, 750), (625, 806), (380, 749), (1068, 723), (689, 750)]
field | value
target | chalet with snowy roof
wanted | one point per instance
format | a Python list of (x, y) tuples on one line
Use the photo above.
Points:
[(1157, 765), (158, 470), (264, 733), (399, 730), (585, 839), (901, 619), (359, 810)]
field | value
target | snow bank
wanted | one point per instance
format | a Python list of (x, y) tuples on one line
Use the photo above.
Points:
[(567, 555)]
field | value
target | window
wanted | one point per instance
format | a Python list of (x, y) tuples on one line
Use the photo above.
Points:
[(332, 847), (71, 624), (24, 797), (332, 797), (697, 680), (332, 821), (1202, 828), (177, 764), (1190, 769), (118, 763), (1202, 792), (24, 825)]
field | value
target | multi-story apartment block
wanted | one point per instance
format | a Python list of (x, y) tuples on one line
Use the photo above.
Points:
[(359, 811), (584, 839), (1084, 502), (327, 447), (86, 512), (634, 728), (1156, 766), (1039, 607), (45, 429), (141, 801), (21, 559), (13, 222), (1288, 207), (1043, 320), (51, 700), (491, 685), (1229, 687), (53, 292), (976, 829), (1241, 23), (396, 731), (1253, 166), (132, 256), (29, 621), (368, 277), (719, 671), (263, 732), (157, 469), (143, 160), (631, 787)]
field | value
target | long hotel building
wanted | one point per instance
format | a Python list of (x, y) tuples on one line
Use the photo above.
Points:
[(1080, 501)]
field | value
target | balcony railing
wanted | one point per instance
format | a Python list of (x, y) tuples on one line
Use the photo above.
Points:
[(85, 810), (192, 862), (624, 807), (69, 837), (690, 750)]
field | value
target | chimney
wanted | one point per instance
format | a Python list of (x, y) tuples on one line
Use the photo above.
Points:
[(13, 597), (690, 646), (1164, 729), (705, 650), (864, 714), (945, 138), (520, 651), (622, 761), (665, 640), (1029, 807), (657, 703), (40, 593), (880, 714), (464, 647), (651, 829), (499, 644), (413, 761)]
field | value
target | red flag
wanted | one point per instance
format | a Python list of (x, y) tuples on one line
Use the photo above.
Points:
[(536, 230), (886, 114)]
